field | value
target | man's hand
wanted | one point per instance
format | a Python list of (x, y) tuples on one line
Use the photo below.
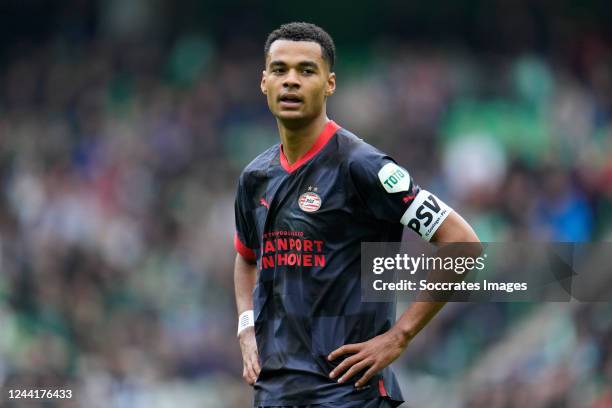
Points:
[(250, 356), (376, 353)]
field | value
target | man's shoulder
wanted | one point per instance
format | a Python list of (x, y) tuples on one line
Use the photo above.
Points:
[(259, 165), (356, 150)]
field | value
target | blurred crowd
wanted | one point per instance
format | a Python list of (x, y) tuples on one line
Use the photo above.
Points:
[(118, 168)]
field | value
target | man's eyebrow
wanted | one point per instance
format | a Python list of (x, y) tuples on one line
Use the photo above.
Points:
[(306, 63)]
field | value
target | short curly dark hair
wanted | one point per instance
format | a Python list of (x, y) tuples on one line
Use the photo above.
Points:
[(300, 31)]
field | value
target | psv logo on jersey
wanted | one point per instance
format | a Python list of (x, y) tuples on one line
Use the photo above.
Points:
[(310, 201)]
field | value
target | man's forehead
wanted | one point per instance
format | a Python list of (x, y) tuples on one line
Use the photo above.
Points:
[(289, 50)]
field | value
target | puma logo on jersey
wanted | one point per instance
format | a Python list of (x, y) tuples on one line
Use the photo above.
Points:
[(407, 198)]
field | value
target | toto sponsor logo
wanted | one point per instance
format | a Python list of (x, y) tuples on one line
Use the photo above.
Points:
[(309, 202)]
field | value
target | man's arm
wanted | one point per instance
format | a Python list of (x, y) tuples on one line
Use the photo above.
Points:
[(454, 229), (245, 276), (380, 351)]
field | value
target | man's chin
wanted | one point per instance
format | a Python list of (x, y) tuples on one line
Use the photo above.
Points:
[(292, 118), (290, 114)]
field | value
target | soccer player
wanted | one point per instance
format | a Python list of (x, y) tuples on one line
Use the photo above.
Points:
[(302, 209)]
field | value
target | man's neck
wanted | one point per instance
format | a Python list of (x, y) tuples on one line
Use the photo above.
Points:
[(297, 141)]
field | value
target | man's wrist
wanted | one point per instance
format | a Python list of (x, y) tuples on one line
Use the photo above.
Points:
[(402, 335)]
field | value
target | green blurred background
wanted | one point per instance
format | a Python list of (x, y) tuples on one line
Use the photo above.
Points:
[(124, 126)]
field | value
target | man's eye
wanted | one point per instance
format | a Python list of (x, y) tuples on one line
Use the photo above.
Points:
[(308, 71), (277, 70)]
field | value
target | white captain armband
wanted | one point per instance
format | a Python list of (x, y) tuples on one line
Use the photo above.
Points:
[(246, 319), (425, 215)]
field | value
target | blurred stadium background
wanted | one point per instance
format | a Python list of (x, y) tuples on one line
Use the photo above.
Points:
[(124, 126)]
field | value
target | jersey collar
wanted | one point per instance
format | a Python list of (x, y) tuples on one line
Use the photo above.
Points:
[(328, 131)]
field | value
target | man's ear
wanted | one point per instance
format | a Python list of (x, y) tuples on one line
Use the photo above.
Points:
[(331, 84), (263, 82)]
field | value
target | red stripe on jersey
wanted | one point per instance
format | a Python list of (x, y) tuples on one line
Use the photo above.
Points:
[(381, 388), (246, 252), (330, 128)]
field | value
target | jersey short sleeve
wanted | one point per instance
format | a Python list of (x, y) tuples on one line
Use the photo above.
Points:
[(244, 238), (390, 194), (386, 189)]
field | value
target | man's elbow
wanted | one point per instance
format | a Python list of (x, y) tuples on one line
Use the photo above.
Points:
[(469, 236), (468, 243), (455, 230)]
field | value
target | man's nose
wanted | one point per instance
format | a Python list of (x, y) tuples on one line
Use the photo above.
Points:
[(292, 79)]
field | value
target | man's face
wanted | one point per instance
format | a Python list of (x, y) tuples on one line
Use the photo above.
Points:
[(296, 81)]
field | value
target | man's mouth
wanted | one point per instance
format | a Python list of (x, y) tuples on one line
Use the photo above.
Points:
[(290, 100)]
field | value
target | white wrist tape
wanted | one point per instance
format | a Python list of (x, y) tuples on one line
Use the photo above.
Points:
[(246, 319)]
